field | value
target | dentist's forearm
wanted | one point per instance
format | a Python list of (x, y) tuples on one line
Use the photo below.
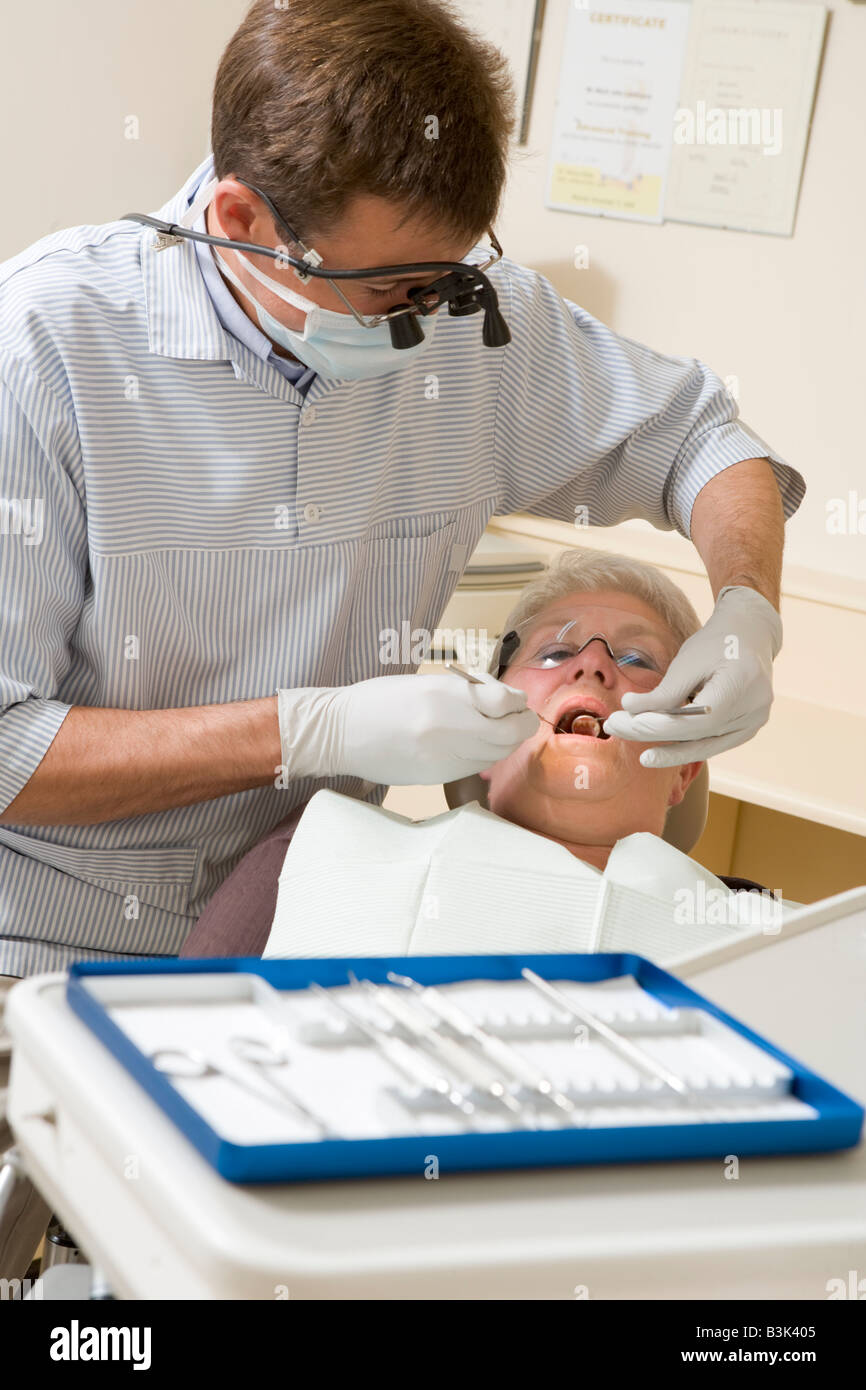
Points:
[(107, 764), (738, 528)]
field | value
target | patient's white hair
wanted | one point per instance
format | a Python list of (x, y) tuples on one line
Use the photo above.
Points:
[(581, 570)]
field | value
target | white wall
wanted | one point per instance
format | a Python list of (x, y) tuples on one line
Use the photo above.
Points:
[(71, 72), (786, 316)]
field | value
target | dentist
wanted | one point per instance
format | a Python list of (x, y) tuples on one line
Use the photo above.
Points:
[(245, 488)]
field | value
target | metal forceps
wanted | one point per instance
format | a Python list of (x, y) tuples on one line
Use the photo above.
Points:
[(184, 1063)]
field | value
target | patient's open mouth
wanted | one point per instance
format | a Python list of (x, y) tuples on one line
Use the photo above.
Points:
[(578, 720)]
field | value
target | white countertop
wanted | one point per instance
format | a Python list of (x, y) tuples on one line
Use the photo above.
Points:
[(807, 761)]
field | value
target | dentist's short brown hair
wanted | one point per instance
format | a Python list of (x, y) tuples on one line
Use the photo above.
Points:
[(318, 101)]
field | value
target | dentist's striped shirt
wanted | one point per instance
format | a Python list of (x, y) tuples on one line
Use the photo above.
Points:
[(186, 518)]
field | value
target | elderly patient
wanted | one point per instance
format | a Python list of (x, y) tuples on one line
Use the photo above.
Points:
[(593, 627)]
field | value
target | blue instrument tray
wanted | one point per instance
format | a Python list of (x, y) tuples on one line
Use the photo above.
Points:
[(837, 1123)]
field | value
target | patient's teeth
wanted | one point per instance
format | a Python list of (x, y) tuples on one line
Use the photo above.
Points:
[(586, 724)]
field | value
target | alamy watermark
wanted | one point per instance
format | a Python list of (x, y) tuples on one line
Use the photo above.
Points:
[(846, 516), (409, 646), (723, 125), (22, 516), (706, 906)]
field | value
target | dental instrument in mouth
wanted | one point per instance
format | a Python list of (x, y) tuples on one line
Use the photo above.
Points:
[(585, 722), (554, 724)]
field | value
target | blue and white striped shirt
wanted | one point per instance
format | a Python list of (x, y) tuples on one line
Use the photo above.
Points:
[(181, 526), (229, 312)]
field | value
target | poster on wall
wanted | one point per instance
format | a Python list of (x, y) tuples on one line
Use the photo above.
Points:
[(739, 139), (618, 90)]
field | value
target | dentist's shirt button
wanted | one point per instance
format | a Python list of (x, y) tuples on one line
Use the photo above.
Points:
[(312, 512), (308, 416)]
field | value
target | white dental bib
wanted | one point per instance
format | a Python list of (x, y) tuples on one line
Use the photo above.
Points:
[(360, 880)]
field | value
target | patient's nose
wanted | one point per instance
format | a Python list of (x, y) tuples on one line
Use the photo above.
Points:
[(593, 661)]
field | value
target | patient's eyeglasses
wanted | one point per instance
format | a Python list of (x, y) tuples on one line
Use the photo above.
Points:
[(636, 646)]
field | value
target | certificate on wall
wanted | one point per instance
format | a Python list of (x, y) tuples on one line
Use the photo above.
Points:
[(745, 104), (618, 90)]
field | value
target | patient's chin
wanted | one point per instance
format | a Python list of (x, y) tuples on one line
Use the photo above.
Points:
[(581, 764), (531, 799)]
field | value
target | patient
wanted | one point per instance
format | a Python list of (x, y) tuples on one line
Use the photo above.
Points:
[(571, 782), (593, 627)]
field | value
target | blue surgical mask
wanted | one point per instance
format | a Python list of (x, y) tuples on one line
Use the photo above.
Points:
[(335, 345)]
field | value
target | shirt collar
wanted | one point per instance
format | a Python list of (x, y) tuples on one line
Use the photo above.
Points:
[(181, 320), (228, 311), (186, 317)]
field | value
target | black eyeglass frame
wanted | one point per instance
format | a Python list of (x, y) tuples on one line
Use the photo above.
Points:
[(463, 287)]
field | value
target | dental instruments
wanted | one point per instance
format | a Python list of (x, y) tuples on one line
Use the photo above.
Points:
[(459, 671), (629, 1050), (262, 1055), (747, 1097), (402, 1057), (498, 1051), (473, 680), (687, 709), (183, 1064), (452, 1053)]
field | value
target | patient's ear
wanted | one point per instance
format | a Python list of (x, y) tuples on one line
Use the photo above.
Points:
[(686, 774)]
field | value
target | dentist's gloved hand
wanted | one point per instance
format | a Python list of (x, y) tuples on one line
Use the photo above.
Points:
[(727, 665), (402, 730)]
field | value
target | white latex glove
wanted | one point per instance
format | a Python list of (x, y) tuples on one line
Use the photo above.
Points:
[(402, 730), (728, 665)]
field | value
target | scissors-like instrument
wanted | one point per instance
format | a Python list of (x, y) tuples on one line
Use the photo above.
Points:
[(186, 1063)]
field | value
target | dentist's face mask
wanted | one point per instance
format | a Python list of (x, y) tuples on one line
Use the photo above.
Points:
[(336, 346)]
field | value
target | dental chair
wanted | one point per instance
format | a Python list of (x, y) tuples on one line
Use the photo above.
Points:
[(683, 827)]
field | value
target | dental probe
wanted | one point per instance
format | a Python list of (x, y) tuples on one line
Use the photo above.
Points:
[(496, 1049), (402, 1057), (684, 709), (458, 671), (473, 680), (629, 1050), (451, 1052)]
